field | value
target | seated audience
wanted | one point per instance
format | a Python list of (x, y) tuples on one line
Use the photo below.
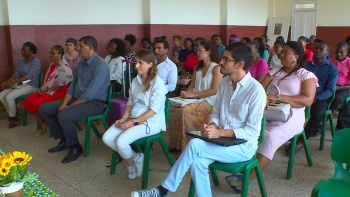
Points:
[(327, 75), (54, 87), (28, 68), (309, 54), (188, 49), (262, 52), (272, 50), (265, 40), (204, 85), (233, 38), (72, 56), (310, 45), (129, 41), (244, 123), (342, 62), (116, 50), (166, 68), (275, 61), (245, 40), (85, 97), (177, 48), (347, 40), (298, 87), (144, 114), (146, 43), (258, 68), (217, 40)]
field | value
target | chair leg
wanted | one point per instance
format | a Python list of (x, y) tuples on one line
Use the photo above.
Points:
[(332, 124), (166, 152), (95, 130), (260, 180), (146, 165), (192, 191), (87, 138), (323, 133), (306, 149), (113, 162), (37, 126), (245, 181), (291, 157), (214, 176), (25, 114), (78, 126), (105, 124), (348, 167)]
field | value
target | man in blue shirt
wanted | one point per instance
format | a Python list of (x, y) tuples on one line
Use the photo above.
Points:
[(217, 40), (85, 97), (327, 75)]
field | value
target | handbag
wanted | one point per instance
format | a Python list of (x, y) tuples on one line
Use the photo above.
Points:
[(278, 112)]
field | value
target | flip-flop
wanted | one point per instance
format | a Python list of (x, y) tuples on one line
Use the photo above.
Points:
[(234, 188), (234, 180)]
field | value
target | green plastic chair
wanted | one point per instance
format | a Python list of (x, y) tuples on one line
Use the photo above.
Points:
[(240, 167), (293, 147), (25, 112), (339, 184), (90, 125), (121, 92), (327, 116), (146, 142)]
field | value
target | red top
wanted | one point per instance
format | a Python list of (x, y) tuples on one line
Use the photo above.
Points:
[(309, 47), (52, 68), (190, 62), (309, 54)]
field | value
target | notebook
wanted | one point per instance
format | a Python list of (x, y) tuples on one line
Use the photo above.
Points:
[(221, 141)]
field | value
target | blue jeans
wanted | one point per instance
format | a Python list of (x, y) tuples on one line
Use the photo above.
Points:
[(197, 156)]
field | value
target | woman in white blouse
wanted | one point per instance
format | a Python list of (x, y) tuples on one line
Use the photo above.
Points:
[(116, 50), (144, 114)]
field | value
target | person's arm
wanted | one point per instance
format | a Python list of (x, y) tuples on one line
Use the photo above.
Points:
[(266, 81), (266, 55), (64, 102), (70, 90), (33, 72), (215, 114), (262, 70), (172, 78), (330, 85), (117, 71), (217, 77), (304, 99), (346, 87)]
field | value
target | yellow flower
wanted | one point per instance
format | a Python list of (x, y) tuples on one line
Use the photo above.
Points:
[(7, 162), (20, 158), (4, 171)]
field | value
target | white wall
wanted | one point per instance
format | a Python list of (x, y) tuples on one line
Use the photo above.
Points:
[(3, 13), (333, 13), (67, 12), (247, 12)]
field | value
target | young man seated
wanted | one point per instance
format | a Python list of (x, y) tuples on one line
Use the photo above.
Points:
[(237, 113)]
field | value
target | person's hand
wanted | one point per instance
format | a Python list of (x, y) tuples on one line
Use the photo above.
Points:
[(61, 107), (118, 122), (127, 124), (272, 97), (185, 94), (211, 131), (4, 85)]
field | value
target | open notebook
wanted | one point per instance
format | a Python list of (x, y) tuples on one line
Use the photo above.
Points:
[(222, 141)]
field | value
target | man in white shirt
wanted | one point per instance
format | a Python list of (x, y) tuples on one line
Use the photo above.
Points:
[(166, 68), (237, 113)]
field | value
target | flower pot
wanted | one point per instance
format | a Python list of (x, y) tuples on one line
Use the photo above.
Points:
[(14, 190)]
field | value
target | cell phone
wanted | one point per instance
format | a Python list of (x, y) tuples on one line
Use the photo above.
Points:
[(19, 83), (192, 98)]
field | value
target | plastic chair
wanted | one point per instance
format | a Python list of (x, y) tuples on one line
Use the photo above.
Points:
[(146, 142), (90, 125), (293, 147), (327, 116), (240, 167), (25, 112), (339, 184)]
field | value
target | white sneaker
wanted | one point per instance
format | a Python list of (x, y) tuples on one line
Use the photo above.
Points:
[(139, 164), (131, 171), (154, 192)]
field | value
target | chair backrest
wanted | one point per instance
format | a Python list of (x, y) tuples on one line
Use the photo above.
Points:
[(167, 110), (332, 99), (41, 80), (262, 131), (307, 112), (340, 153), (109, 101)]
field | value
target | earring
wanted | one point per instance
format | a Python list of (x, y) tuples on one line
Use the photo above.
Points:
[(294, 60)]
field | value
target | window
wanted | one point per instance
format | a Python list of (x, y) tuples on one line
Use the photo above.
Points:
[(304, 6)]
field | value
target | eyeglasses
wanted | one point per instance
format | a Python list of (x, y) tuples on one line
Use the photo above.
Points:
[(52, 53), (226, 59)]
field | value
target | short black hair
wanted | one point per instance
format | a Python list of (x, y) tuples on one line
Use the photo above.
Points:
[(240, 52), (161, 40), (31, 47), (120, 51), (216, 35), (280, 38), (303, 38), (342, 44), (318, 40), (327, 45), (280, 42), (199, 38), (89, 41), (190, 40), (347, 39), (146, 40), (72, 40), (247, 39), (234, 35), (131, 38)]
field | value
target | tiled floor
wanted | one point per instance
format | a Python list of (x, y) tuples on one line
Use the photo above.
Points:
[(90, 177)]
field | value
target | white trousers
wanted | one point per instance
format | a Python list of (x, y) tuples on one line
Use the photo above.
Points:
[(120, 140), (8, 97)]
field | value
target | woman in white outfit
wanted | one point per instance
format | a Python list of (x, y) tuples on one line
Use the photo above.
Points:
[(144, 114)]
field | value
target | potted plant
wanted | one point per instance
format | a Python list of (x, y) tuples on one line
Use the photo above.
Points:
[(13, 172)]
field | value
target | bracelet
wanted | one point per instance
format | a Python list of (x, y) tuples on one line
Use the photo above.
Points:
[(278, 97)]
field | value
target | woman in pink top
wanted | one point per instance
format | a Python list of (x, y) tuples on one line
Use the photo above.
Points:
[(342, 62), (259, 68), (298, 88)]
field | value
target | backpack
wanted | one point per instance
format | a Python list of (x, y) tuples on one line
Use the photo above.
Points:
[(344, 116)]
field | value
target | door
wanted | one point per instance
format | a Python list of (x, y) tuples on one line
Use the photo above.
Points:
[(277, 27), (303, 24)]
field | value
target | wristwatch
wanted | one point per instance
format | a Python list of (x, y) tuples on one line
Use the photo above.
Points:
[(135, 122)]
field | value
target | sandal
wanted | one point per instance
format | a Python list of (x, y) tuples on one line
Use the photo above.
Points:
[(234, 188), (234, 180), (18, 117), (12, 123), (42, 132)]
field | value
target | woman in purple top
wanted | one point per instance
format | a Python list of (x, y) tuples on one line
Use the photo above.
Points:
[(28, 68), (258, 68)]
